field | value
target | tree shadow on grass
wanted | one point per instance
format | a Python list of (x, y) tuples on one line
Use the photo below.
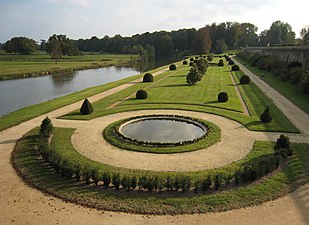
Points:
[(253, 123), (175, 85)]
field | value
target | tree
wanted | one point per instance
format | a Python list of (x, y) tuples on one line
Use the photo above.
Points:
[(202, 65), (46, 128), (265, 117), (86, 108), (21, 45), (304, 35), (202, 42), (221, 46), (59, 45), (194, 75)]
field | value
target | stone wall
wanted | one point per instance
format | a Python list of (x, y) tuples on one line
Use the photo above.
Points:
[(284, 54)]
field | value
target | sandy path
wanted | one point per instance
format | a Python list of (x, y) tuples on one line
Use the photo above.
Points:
[(297, 116), (20, 204)]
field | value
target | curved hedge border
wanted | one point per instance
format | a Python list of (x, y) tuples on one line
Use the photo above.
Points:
[(113, 136), (36, 172)]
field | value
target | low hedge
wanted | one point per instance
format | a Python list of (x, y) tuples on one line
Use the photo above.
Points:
[(70, 163)]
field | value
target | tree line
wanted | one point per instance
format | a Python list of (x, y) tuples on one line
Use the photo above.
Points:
[(216, 38)]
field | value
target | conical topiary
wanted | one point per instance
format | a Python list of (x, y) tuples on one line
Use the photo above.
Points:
[(46, 128), (86, 108), (265, 117)]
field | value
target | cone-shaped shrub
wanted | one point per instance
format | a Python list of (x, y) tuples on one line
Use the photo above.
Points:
[(245, 79), (46, 128), (265, 117), (141, 94), (172, 67), (235, 68), (185, 62), (148, 77), (223, 97), (220, 63), (86, 108)]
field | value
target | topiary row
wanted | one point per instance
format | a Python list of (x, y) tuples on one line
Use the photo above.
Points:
[(70, 165)]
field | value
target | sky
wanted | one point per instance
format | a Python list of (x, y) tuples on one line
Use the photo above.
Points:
[(39, 19)]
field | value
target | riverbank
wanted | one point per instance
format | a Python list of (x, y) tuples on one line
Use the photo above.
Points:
[(25, 66)]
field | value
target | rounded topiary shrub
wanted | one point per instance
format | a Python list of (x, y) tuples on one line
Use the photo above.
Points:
[(231, 62), (185, 62), (235, 68), (223, 97), (141, 94), (86, 108), (265, 117), (245, 79), (191, 59), (148, 77), (172, 67), (220, 63), (191, 63)]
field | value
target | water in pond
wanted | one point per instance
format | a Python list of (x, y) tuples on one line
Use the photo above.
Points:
[(16, 94), (163, 130)]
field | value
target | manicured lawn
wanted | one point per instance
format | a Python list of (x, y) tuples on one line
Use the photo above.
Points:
[(172, 92), (33, 169), (285, 88)]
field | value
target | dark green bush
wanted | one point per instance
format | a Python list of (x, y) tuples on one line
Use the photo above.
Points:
[(141, 94), (148, 77), (265, 117), (223, 97), (206, 183), (185, 62), (106, 178), (210, 57), (220, 63), (235, 68), (194, 75), (217, 181), (191, 59), (172, 67), (116, 180), (282, 147), (46, 128), (245, 79), (231, 62), (295, 64), (191, 63), (86, 108), (126, 182), (185, 183)]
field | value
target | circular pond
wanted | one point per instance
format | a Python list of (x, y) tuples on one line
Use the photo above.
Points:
[(163, 129)]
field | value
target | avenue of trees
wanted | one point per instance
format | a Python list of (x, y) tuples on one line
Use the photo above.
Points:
[(216, 38)]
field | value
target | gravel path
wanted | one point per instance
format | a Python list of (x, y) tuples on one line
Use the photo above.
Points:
[(20, 204)]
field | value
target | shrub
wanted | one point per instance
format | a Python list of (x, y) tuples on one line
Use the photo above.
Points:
[(126, 182), (223, 97), (282, 147), (185, 183), (294, 64), (141, 94), (46, 128), (106, 178), (191, 63), (210, 57), (191, 59), (245, 79), (202, 65), (194, 75), (206, 183), (148, 77), (116, 180), (217, 181), (86, 108), (265, 117), (303, 86), (235, 68), (231, 62), (220, 63), (185, 62), (172, 67)]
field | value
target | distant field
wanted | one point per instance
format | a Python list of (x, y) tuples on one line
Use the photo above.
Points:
[(12, 66)]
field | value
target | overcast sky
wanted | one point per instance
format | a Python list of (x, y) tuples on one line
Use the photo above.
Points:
[(39, 19)]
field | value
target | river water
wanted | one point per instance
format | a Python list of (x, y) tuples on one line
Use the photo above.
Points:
[(16, 94)]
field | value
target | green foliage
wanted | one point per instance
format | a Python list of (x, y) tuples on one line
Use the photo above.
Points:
[(141, 94), (106, 179), (46, 128), (235, 68), (86, 108), (265, 117), (206, 183), (116, 180), (202, 65), (172, 67), (217, 181), (194, 75), (245, 79), (220, 63), (191, 63), (21, 45), (185, 62), (148, 77), (282, 147), (231, 62), (223, 97), (210, 57)]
